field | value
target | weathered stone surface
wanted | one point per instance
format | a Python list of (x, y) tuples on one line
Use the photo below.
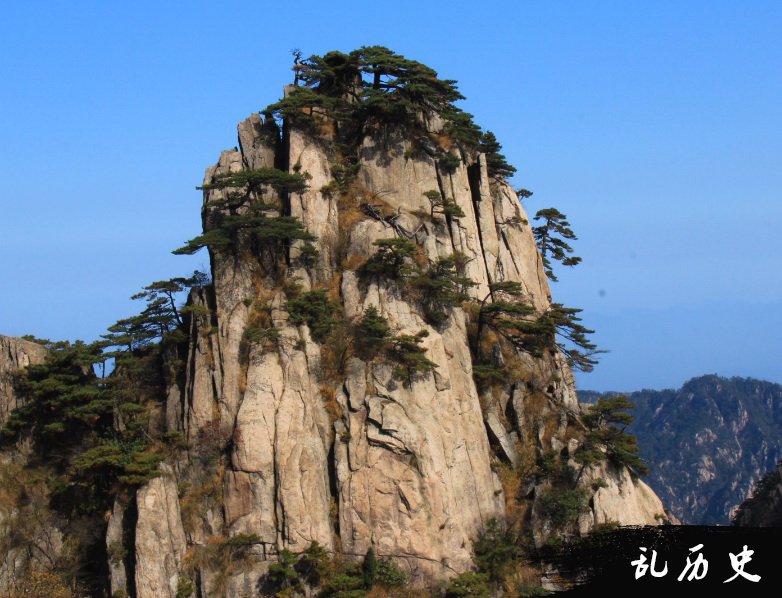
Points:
[(256, 142), (15, 354), (356, 457), (626, 499), (198, 406), (279, 447), (316, 210), (160, 538), (116, 548), (233, 278), (501, 437), (29, 532), (414, 474)]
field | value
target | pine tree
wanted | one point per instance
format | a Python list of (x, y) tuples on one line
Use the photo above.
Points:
[(571, 337), (550, 237), (369, 568), (160, 319), (92, 431), (371, 334), (372, 85), (443, 205), (255, 180), (315, 309), (510, 316), (390, 259), (496, 163), (268, 234), (407, 352), (440, 286), (607, 421)]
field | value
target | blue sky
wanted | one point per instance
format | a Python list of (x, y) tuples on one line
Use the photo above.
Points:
[(656, 127)]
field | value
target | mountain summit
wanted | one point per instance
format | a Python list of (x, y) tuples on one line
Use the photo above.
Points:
[(375, 371)]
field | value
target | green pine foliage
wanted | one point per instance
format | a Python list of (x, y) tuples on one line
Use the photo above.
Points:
[(314, 572), (160, 320), (388, 574), (762, 508), (185, 587), (487, 375), (61, 397), (607, 421), (262, 335), (460, 126), (373, 339), (268, 233), (410, 356), (282, 575), (443, 205), (92, 431), (369, 568), (316, 310), (495, 550), (449, 162), (469, 585), (249, 216), (372, 86), (343, 176), (552, 236), (391, 259), (562, 505), (496, 164), (371, 334), (304, 107), (510, 317), (516, 321), (254, 181), (440, 287), (308, 254), (563, 325)]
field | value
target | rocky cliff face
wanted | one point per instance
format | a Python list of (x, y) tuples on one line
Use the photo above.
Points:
[(15, 354), (283, 453), (30, 540)]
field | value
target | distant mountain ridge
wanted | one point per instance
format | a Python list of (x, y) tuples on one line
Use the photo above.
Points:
[(707, 443)]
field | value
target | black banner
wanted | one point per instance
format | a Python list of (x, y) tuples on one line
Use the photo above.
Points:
[(672, 558)]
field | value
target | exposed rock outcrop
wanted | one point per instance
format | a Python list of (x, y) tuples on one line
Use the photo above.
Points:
[(289, 437), (15, 354), (30, 540), (160, 538), (404, 467)]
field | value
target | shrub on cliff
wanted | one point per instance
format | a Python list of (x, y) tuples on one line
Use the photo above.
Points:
[(607, 421), (315, 309), (371, 334), (390, 259), (410, 356), (441, 287)]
